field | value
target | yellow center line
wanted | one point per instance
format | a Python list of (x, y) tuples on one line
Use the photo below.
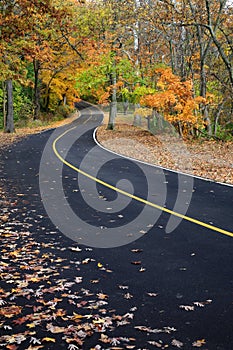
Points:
[(139, 199), (87, 120)]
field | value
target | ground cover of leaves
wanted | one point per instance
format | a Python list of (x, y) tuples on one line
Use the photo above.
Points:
[(209, 159)]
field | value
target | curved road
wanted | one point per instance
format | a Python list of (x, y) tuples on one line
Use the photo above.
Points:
[(166, 263)]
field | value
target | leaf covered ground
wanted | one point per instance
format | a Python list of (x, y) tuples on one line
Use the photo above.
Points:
[(209, 159)]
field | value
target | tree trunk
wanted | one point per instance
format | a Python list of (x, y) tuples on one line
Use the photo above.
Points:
[(4, 103), (112, 115), (125, 106), (64, 100), (36, 65), (207, 121), (113, 104), (216, 124), (202, 79), (9, 125), (180, 129), (171, 56), (216, 119)]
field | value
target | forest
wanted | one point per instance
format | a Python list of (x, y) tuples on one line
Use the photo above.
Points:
[(171, 59)]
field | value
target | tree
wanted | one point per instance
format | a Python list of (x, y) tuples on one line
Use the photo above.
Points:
[(174, 101), (9, 124), (38, 42)]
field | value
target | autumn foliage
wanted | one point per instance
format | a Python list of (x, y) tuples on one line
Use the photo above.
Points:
[(57, 52), (174, 100)]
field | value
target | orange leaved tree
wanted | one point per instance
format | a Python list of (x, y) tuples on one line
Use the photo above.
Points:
[(175, 102)]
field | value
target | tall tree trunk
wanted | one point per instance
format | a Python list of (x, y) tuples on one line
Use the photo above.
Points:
[(113, 104), (64, 100), (180, 129), (202, 78), (125, 106), (4, 103), (216, 119), (207, 121), (36, 65), (9, 125), (171, 56)]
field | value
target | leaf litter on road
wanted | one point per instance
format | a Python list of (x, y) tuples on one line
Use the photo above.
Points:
[(47, 300), (41, 302)]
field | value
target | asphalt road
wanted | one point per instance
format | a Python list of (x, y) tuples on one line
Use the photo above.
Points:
[(183, 263)]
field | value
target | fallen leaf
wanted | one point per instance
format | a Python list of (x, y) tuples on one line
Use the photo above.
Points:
[(34, 340), (78, 279), (199, 343), (31, 325), (123, 287), (197, 303), (47, 339), (136, 250), (102, 296), (187, 307), (128, 296), (76, 249), (55, 329), (155, 343), (177, 343), (76, 316)]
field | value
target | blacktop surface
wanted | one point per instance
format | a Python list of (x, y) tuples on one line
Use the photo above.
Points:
[(147, 288)]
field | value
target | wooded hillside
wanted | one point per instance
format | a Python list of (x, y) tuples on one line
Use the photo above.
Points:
[(173, 57)]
